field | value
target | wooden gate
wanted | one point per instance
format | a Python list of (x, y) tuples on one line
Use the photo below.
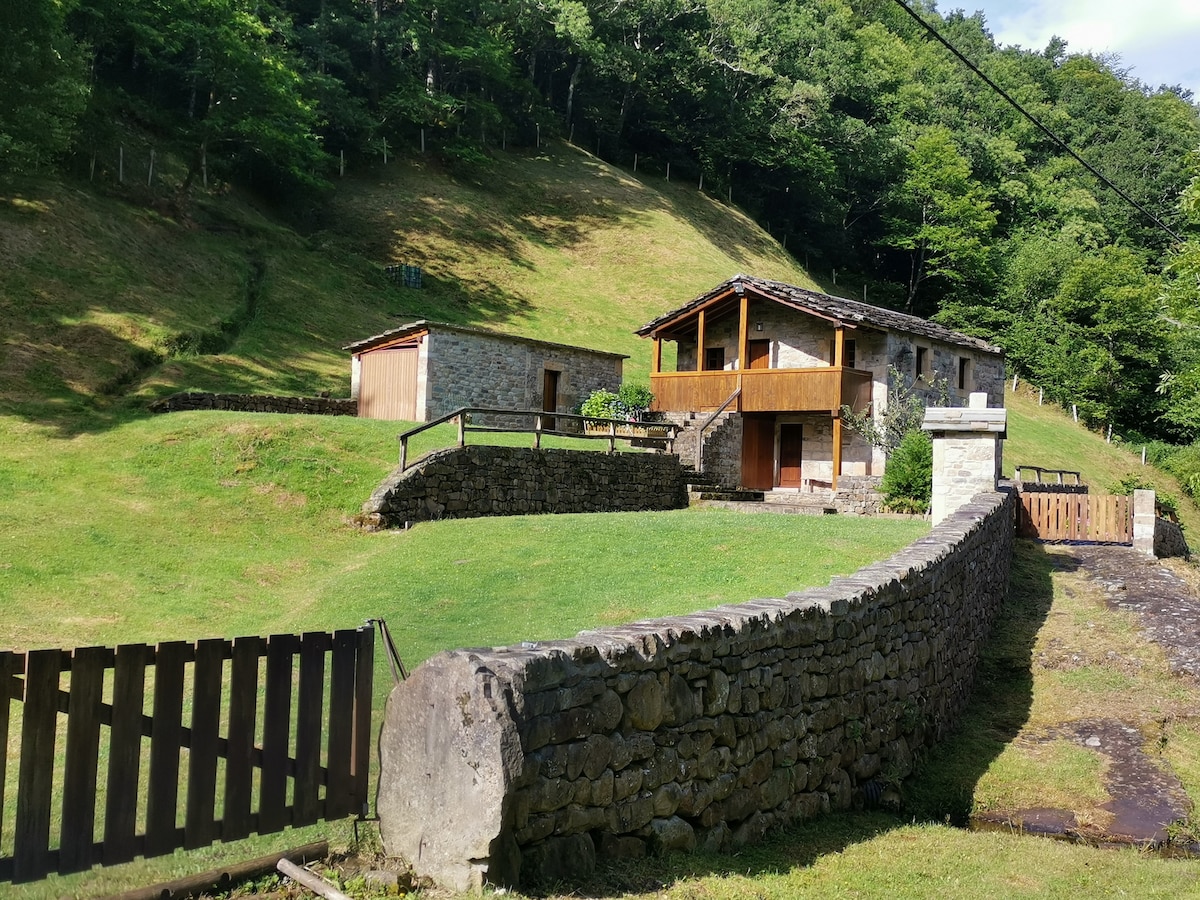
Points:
[(1051, 516), (158, 784)]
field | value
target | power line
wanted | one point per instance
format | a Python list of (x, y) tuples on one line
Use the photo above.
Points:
[(1046, 131)]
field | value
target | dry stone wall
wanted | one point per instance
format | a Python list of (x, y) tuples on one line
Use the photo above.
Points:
[(528, 763), (312, 406), (467, 482)]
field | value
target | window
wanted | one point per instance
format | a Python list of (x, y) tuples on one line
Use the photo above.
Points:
[(964, 373), (848, 355), (922, 362), (714, 358)]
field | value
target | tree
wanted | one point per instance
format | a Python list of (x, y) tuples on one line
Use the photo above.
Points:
[(44, 84), (940, 216)]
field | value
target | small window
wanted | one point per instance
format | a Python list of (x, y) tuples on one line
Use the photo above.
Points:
[(922, 362), (849, 355), (964, 373), (714, 358)]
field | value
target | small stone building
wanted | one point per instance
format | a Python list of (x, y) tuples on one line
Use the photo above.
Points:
[(424, 370), (780, 362)]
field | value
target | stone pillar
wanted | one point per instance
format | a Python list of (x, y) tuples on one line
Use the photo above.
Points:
[(1143, 522), (966, 452)]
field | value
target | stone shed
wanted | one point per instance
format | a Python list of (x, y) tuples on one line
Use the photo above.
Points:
[(424, 369)]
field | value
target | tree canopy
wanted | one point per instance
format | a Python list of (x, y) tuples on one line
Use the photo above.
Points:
[(840, 124)]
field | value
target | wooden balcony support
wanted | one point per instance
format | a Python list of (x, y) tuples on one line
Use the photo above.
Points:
[(700, 337)]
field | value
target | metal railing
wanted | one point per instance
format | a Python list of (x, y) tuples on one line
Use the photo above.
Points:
[(661, 434)]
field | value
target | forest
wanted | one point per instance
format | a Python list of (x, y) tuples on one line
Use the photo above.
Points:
[(843, 126)]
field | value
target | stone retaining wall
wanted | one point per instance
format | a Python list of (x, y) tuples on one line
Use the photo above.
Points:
[(467, 482), (312, 406), (1168, 539), (525, 764)]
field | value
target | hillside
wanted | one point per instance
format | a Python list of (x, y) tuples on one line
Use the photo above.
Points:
[(102, 296)]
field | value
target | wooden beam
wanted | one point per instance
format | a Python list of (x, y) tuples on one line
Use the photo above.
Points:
[(656, 357), (837, 449), (700, 336), (744, 334), (839, 346)]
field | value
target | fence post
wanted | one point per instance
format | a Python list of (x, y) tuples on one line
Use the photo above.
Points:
[(462, 429), (537, 432), (1143, 522)]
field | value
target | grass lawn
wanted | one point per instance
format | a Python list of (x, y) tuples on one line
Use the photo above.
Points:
[(218, 524)]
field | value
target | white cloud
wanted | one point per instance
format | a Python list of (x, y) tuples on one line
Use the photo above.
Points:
[(1157, 40)]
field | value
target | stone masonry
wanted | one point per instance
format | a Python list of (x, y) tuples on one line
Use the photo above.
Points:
[(467, 482), (526, 764), (966, 452), (313, 406)]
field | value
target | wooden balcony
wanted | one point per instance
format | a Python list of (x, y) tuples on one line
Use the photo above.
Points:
[(764, 390)]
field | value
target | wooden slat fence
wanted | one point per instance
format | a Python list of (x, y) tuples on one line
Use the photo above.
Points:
[(302, 720), (1076, 517)]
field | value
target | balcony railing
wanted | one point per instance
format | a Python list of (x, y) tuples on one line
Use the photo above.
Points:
[(764, 390)]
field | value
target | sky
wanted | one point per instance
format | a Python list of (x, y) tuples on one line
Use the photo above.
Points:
[(1157, 40)]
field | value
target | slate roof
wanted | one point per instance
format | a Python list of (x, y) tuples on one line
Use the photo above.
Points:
[(840, 309), (421, 325)]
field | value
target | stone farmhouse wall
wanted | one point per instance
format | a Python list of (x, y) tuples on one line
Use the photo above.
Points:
[(468, 482), (526, 764), (463, 368), (312, 406)]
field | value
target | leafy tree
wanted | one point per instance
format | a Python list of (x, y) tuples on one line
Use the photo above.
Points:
[(44, 85)]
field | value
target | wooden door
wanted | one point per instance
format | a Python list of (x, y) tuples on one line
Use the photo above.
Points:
[(791, 444), (549, 397), (388, 385), (760, 355), (758, 452)]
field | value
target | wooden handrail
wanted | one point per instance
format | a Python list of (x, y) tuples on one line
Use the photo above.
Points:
[(1039, 472), (463, 414), (737, 392)]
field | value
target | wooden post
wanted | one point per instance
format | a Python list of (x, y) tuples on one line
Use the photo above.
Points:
[(743, 334), (635, 162), (700, 342), (668, 171), (839, 351), (204, 165), (656, 357), (537, 432), (385, 151), (403, 453), (342, 163), (612, 436), (701, 181), (422, 140), (462, 429), (121, 165), (837, 448), (92, 171), (150, 173)]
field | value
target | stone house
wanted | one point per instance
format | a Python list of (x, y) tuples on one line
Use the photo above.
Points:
[(424, 370), (772, 365)]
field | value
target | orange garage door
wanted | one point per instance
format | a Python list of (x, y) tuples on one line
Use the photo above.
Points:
[(388, 384)]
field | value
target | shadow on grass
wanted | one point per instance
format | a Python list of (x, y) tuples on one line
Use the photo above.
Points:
[(943, 789)]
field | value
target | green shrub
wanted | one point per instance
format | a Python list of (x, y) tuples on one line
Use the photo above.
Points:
[(630, 402), (600, 405), (908, 480)]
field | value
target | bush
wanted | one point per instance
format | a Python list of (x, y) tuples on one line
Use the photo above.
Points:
[(908, 480), (630, 402)]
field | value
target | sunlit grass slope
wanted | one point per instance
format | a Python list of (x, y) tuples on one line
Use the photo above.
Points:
[(101, 297)]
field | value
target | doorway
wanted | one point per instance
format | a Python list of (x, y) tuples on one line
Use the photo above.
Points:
[(549, 397), (791, 451)]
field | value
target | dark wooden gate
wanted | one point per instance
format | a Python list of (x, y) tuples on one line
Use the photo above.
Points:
[(302, 721), (1052, 516)]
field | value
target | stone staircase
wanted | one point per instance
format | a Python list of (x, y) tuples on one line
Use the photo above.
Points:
[(704, 487)]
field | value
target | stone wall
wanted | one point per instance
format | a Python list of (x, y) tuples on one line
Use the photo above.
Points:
[(472, 369), (468, 482), (526, 764), (312, 406), (859, 495), (1168, 539)]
